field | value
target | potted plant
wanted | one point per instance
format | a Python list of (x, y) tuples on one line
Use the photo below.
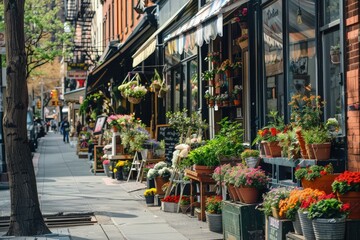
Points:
[(251, 157), (213, 57), (185, 204), (156, 82), (161, 174), (219, 177), (249, 182), (335, 54), (271, 200), (149, 196), (236, 95), (321, 144), (290, 206), (347, 187), (204, 159), (170, 203), (118, 170), (328, 218), (224, 98), (209, 99), (213, 213), (208, 76), (316, 177), (135, 93)]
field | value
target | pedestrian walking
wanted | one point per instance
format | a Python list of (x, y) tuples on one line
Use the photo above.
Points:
[(65, 126), (78, 128)]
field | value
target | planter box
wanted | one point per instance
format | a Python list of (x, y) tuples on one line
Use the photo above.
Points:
[(242, 221), (169, 207)]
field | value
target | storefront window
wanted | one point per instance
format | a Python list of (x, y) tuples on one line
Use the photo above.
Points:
[(331, 10), (273, 57), (333, 87), (177, 82), (302, 47)]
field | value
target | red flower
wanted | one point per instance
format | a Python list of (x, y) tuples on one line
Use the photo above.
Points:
[(345, 207), (273, 132), (323, 173)]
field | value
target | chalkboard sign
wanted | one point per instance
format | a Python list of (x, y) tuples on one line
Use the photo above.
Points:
[(171, 138), (98, 152), (277, 229)]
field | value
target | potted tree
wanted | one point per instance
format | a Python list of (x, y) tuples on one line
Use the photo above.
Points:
[(213, 213)]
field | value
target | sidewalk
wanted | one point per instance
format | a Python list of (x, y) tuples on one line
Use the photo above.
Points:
[(66, 185)]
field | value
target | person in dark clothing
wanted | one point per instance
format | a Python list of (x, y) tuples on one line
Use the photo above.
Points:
[(78, 127), (65, 126)]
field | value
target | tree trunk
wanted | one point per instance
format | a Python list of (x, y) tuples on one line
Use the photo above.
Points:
[(26, 218)]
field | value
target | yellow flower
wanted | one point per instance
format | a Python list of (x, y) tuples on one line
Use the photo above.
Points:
[(149, 192)]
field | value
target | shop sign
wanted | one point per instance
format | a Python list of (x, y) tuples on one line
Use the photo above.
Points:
[(77, 74), (79, 66)]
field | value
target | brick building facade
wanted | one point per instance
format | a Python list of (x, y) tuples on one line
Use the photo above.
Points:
[(352, 83)]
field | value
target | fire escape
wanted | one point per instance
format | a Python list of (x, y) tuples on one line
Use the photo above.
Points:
[(80, 14)]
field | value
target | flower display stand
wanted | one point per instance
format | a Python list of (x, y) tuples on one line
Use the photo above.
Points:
[(242, 221), (278, 228)]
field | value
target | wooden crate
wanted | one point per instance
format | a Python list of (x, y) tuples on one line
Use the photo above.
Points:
[(242, 221), (277, 229)]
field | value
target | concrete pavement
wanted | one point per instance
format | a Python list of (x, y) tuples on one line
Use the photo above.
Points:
[(66, 184)]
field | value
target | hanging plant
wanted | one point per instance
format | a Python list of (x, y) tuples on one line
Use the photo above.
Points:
[(95, 104)]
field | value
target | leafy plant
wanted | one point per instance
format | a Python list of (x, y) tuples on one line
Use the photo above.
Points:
[(213, 204), (272, 200), (208, 75), (250, 153), (185, 200), (312, 172), (346, 182), (328, 208)]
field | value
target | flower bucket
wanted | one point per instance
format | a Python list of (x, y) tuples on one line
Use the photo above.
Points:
[(107, 170), (214, 222), (252, 162), (354, 199), (297, 224), (134, 100), (275, 149), (185, 208), (322, 183), (322, 151), (149, 200), (306, 226), (249, 194), (169, 207), (329, 229)]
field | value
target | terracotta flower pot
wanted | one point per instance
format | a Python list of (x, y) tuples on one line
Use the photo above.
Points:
[(159, 182), (249, 194), (322, 183), (266, 149), (203, 169), (238, 192), (275, 149), (354, 199), (302, 144), (310, 151), (232, 192), (236, 102), (322, 151)]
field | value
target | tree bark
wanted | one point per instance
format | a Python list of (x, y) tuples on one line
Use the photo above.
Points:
[(26, 218)]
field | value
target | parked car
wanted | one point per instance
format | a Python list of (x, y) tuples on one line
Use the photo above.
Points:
[(32, 131)]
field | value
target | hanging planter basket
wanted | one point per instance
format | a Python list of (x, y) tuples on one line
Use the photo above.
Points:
[(134, 100)]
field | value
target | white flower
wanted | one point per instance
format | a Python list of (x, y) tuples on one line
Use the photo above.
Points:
[(160, 165)]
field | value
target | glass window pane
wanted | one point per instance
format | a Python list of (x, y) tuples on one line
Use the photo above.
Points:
[(184, 87), (333, 89), (194, 81), (273, 59), (177, 81), (331, 10), (302, 47)]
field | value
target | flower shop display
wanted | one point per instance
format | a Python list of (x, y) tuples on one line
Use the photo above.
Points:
[(185, 204), (118, 170), (149, 196), (135, 93), (208, 76), (290, 206), (347, 188), (213, 213), (226, 67), (170, 203), (213, 57), (251, 157), (219, 177), (289, 144), (236, 95), (321, 143), (271, 200), (209, 99), (316, 177), (328, 218), (229, 179), (133, 135), (161, 174)]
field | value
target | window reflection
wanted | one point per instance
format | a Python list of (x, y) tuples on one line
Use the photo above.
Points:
[(194, 82), (302, 52), (273, 57), (331, 10)]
